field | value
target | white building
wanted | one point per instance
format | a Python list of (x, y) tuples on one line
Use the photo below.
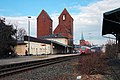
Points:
[(41, 46)]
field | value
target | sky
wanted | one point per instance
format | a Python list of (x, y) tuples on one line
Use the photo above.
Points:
[(87, 15)]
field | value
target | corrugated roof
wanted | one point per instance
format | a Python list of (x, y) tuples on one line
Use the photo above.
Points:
[(42, 12), (65, 10)]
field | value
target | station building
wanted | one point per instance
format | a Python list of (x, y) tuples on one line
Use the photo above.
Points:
[(40, 46), (49, 42), (59, 39)]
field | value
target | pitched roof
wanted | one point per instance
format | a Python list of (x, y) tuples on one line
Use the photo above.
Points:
[(44, 12), (65, 10)]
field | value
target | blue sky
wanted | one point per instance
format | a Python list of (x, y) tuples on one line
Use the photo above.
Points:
[(87, 15), (33, 7)]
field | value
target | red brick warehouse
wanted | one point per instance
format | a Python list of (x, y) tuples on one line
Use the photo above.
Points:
[(44, 24), (65, 26)]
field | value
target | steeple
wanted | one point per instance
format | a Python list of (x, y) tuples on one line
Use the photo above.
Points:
[(82, 37)]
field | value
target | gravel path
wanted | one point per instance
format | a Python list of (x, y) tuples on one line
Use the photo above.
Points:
[(59, 71)]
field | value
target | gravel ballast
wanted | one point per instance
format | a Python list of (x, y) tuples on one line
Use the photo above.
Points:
[(57, 71)]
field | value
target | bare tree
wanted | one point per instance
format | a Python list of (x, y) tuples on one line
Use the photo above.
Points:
[(21, 32)]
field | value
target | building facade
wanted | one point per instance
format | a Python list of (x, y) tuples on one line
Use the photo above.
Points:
[(44, 24), (41, 46), (65, 26), (56, 38), (61, 40), (83, 42)]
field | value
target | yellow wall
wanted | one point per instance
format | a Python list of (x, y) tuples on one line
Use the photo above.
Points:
[(35, 48), (20, 49)]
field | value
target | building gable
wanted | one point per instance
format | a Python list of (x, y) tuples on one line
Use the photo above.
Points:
[(44, 24)]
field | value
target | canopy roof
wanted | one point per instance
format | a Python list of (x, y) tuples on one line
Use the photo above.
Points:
[(111, 22)]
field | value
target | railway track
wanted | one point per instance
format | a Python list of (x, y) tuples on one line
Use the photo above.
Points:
[(114, 69), (6, 70)]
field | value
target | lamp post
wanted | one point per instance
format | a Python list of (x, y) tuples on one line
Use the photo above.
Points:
[(29, 34)]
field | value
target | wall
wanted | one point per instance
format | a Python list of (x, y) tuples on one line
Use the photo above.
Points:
[(65, 26), (35, 48), (39, 48), (20, 49), (60, 40), (44, 24)]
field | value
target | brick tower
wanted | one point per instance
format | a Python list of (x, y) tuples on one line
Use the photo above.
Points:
[(44, 24), (65, 26)]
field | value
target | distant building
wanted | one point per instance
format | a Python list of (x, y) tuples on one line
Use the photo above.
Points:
[(44, 24), (65, 26), (76, 48), (83, 42)]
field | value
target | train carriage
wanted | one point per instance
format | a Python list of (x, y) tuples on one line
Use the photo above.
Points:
[(85, 50)]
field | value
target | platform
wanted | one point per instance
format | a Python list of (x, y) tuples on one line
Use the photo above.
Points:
[(21, 59)]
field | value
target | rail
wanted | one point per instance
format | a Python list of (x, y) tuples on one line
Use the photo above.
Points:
[(10, 69)]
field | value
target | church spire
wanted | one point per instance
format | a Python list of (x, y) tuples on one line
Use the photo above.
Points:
[(82, 37)]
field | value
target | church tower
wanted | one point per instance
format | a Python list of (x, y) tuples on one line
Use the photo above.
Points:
[(82, 41), (65, 26), (44, 24)]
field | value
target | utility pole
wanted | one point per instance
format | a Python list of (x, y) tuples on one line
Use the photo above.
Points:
[(29, 34)]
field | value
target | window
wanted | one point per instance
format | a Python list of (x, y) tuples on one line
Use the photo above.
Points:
[(64, 16), (43, 16)]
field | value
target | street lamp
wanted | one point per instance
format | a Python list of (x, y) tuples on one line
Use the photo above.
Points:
[(29, 34)]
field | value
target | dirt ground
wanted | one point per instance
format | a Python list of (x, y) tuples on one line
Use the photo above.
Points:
[(95, 67)]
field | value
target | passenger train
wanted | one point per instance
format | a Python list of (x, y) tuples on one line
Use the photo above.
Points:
[(85, 50)]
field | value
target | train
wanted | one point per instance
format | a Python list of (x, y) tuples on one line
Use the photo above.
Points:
[(89, 50), (85, 50)]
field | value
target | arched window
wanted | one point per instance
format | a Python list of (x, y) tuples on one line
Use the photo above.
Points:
[(64, 17)]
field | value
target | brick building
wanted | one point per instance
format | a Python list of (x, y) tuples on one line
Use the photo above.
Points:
[(83, 42), (44, 24), (65, 26)]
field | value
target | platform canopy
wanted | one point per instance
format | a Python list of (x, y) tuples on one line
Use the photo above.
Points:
[(111, 22)]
